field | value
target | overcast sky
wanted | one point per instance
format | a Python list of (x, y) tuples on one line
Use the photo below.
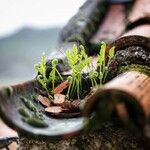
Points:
[(15, 14)]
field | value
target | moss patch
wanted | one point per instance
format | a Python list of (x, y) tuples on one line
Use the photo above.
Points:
[(76, 38), (135, 67)]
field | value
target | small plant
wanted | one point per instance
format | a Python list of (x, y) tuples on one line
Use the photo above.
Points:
[(41, 74), (54, 74), (93, 77), (103, 66), (101, 62), (77, 61), (49, 80), (110, 57)]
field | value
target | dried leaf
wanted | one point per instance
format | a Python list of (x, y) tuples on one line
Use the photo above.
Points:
[(67, 105), (53, 109), (13, 146), (59, 99), (61, 87), (76, 104), (44, 100), (71, 106)]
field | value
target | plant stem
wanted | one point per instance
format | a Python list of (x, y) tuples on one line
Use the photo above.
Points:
[(59, 75)]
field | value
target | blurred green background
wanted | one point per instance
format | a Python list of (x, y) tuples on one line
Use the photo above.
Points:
[(21, 50), (28, 28)]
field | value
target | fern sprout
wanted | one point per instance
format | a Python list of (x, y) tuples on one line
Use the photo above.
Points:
[(41, 74), (54, 73), (110, 57), (93, 77), (103, 67), (77, 61)]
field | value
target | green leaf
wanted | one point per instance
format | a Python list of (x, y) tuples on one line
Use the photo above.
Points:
[(102, 53), (111, 52), (77, 60)]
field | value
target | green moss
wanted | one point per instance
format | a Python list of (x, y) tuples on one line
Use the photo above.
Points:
[(103, 113), (35, 122), (92, 25), (95, 18), (87, 31), (7, 91), (135, 67), (35, 118), (76, 38), (34, 98), (87, 23), (28, 104), (23, 112), (38, 115)]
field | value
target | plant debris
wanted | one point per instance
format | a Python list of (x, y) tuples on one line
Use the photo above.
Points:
[(53, 109), (44, 100), (59, 89), (63, 96), (66, 115), (59, 99)]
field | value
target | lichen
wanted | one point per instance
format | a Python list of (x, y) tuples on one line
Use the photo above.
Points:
[(7, 91), (23, 112), (76, 38), (33, 121), (135, 67), (28, 104)]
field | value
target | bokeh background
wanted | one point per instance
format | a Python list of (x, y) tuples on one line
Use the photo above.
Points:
[(28, 28)]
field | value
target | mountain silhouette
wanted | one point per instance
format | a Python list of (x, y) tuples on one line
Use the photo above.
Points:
[(21, 50)]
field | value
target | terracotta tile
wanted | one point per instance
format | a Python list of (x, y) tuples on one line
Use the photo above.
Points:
[(141, 9), (143, 30), (113, 25), (5, 130)]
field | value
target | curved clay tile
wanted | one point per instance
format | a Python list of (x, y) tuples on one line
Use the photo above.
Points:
[(140, 13), (112, 26), (143, 30)]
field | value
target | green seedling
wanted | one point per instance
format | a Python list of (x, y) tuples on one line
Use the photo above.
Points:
[(103, 66), (101, 62), (54, 74), (110, 57), (36, 122), (70, 84), (93, 77), (77, 61), (41, 74)]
